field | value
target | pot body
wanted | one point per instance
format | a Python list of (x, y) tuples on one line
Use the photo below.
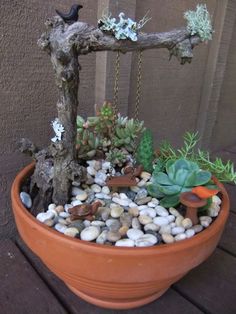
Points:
[(114, 277)]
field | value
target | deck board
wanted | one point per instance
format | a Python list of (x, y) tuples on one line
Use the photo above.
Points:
[(228, 240), (212, 284), (170, 302), (22, 291)]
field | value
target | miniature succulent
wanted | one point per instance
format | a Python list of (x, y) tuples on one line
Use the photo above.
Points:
[(106, 131), (224, 171), (181, 176), (145, 151), (116, 157)]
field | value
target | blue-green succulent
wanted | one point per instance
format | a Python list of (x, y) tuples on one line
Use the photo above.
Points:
[(181, 176)]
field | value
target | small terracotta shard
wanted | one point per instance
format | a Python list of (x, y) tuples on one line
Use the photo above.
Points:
[(128, 179), (192, 203), (84, 211)]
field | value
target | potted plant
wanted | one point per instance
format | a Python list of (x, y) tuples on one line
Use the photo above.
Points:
[(115, 220)]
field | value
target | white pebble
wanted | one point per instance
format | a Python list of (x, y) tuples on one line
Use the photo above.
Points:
[(145, 175), (90, 233), (106, 165), (161, 221), (91, 171), (197, 228), (122, 202), (151, 226), (151, 204), (190, 233), (98, 223), (71, 232), (96, 188), (123, 196), (52, 206), (161, 211), (141, 183), (44, 216), (146, 240), (132, 204), (173, 224), (149, 212), (26, 199), (205, 221), (180, 236), (134, 234), (82, 196), (75, 203), (187, 223), (179, 220), (144, 219), (165, 229), (64, 215), (125, 242), (216, 199), (167, 238), (177, 230), (101, 239), (60, 227), (116, 211), (87, 223), (106, 190), (171, 218), (155, 201), (174, 212)]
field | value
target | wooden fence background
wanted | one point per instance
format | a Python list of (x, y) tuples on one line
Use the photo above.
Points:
[(175, 98)]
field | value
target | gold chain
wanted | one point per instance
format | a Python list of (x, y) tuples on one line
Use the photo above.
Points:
[(138, 88), (116, 83)]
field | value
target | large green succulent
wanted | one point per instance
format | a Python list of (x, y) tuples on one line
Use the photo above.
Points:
[(181, 176)]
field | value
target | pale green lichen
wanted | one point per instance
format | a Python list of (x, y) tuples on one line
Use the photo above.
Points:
[(125, 28), (199, 22)]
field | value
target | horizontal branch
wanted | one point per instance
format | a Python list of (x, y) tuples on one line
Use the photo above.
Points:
[(86, 38)]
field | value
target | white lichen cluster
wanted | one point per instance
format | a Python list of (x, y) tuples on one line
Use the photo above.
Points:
[(125, 28), (58, 129), (199, 22)]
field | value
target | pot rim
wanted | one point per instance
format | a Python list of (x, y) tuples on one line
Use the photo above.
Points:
[(21, 210)]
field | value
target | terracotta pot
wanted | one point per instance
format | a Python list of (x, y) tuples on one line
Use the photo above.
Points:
[(114, 277)]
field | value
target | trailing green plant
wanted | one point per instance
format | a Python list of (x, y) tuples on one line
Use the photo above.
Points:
[(106, 131), (181, 176), (145, 151), (199, 22), (224, 171)]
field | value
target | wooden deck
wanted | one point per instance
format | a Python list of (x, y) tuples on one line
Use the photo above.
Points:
[(26, 285)]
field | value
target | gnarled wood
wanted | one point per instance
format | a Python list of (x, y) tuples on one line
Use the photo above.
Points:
[(65, 43)]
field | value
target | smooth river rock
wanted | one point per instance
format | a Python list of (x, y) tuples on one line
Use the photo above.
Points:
[(90, 233), (161, 221), (125, 242), (134, 234), (26, 199)]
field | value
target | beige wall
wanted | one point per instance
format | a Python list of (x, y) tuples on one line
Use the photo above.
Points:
[(174, 98)]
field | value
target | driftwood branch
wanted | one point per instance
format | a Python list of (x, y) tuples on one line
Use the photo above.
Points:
[(85, 38), (57, 166)]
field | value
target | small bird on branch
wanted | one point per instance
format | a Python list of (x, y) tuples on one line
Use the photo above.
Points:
[(72, 16)]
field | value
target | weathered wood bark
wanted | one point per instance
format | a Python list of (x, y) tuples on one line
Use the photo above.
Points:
[(65, 43)]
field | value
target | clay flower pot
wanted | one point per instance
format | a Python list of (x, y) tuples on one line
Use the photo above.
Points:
[(115, 277)]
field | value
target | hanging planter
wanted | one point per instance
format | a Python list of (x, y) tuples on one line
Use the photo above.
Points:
[(115, 221)]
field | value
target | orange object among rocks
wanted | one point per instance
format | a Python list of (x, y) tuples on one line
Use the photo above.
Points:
[(204, 192), (127, 180)]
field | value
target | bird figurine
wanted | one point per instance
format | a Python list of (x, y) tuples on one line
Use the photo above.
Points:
[(72, 16)]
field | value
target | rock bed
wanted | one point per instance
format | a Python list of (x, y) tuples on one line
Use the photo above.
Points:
[(128, 218)]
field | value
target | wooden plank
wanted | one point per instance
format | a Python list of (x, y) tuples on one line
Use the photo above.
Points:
[(227, 241), (22, 291), (170, 302), (231, 189), (212, 284), (224, 18)]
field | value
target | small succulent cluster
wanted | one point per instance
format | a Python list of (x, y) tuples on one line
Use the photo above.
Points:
[(180, 176), (199, 22), (145, 151), (105, 131), (122, 29)]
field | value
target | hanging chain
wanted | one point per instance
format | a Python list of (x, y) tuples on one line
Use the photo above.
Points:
[(116, 83), (138, 88)]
